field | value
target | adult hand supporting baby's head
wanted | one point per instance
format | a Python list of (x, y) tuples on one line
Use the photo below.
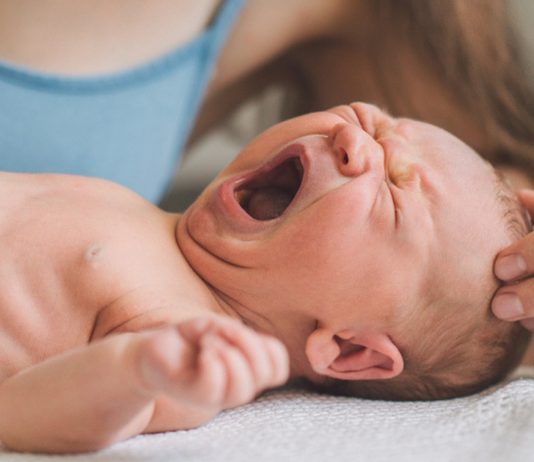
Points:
[(515, 302)]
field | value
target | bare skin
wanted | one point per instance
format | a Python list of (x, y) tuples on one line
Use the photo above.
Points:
[(99, 38), (59, 307)]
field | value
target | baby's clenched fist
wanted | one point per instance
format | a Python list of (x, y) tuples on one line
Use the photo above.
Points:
[(211, 362)]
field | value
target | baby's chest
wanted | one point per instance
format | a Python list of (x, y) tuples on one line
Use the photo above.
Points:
[(48, 300), (55, 301)]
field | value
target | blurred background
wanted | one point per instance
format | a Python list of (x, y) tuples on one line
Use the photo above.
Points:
[(210, 154)]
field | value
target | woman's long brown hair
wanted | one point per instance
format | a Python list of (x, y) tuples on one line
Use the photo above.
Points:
[(473, 46)]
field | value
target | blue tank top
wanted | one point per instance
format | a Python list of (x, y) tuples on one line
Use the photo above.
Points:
[(129, 127)]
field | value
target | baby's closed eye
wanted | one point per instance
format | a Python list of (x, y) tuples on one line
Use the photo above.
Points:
[(401, 172)]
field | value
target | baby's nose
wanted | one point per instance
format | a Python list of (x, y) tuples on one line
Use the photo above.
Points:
[(353, 148)]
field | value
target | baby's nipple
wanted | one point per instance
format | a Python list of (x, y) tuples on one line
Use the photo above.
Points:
[(93, 254)]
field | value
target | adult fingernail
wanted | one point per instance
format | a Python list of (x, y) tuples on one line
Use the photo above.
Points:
[(528, 324), (507, 306), (510, 267)]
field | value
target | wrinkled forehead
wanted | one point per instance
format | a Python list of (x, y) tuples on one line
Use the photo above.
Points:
[(464, 184), (441, 149)]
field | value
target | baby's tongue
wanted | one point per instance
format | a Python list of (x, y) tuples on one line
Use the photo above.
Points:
[(267, 203)]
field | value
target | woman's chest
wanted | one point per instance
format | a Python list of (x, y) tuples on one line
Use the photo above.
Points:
[(80, 38)]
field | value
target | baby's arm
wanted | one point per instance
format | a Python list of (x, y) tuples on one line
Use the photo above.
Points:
[(91, 397)]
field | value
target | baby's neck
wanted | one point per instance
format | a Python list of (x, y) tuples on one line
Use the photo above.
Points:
[(204, 296), (172, 294), (168, 292)]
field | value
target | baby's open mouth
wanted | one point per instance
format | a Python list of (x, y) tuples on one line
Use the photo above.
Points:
[(268, 194)]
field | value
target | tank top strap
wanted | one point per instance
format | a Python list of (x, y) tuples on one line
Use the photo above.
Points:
[(128, 126), (223, 22)]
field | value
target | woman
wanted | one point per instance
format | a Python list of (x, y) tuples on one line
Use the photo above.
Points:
[(112, 89)]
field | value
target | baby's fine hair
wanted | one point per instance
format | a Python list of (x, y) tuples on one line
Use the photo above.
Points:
[(452, 358)]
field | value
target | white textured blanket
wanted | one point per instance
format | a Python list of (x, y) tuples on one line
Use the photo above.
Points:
[(293, 425)]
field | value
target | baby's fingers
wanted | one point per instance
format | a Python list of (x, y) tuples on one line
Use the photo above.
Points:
[(250, 343), (168, 364), (193, 329), (211, 375), (253, 347), (160, 355), (240, 386), (279, 359)]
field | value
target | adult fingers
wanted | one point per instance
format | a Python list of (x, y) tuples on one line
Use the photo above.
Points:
[(517, 260), (526, 196), (516, 303)]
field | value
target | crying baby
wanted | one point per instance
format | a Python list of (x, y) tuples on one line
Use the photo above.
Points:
[(346, 247)]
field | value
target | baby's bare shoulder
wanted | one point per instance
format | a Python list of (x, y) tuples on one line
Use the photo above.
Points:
[(21, 189), (69, 246)]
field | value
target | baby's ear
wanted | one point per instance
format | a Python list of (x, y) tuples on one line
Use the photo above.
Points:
[(351, 355)]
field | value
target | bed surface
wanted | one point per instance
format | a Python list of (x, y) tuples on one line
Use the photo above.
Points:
[(296, 425)]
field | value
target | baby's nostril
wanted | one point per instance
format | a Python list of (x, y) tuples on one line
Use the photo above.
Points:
[(344, 157)]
